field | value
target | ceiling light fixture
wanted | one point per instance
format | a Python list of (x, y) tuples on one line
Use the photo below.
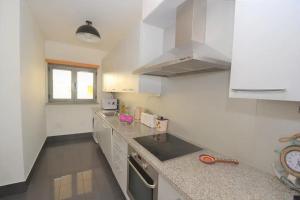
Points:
[(88, 33)]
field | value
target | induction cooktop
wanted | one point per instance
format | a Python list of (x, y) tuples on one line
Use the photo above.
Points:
[(166, 146)]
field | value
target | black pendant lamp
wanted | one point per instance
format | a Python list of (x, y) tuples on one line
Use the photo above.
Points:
[(88, 33)]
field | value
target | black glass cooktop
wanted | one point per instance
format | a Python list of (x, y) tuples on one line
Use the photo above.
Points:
[(166, 146)]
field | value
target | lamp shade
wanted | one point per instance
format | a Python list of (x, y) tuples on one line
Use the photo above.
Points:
[(88, 33)]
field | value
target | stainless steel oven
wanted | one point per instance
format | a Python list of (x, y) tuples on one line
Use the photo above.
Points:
[(142, 179)]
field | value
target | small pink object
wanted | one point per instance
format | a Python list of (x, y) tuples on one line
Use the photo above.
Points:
[(126, 118)]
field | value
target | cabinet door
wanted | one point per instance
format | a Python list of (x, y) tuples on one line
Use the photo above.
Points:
[(111, 82), (166, 191), (105, 141), (266, 50), (129, 83), (119, 161)]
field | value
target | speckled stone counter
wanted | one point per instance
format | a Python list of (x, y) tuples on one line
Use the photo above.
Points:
[(197, 181)]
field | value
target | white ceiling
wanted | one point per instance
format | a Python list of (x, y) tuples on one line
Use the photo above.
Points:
[(59, 19)]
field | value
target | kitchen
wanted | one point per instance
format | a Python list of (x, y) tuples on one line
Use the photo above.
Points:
[(222, 88)]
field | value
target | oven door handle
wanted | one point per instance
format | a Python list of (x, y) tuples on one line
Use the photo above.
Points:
[(141, 177)]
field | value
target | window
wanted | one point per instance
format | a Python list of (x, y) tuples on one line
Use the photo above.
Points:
[(71, 84)]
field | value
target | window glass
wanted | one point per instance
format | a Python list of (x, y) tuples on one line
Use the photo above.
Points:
[(85, 85), (62, 84)]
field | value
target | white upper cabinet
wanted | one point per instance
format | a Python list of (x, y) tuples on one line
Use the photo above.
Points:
[(266, 50), (124, 82), (141, 45)]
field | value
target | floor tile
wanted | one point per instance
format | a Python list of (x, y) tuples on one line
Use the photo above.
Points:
[(72, 171)]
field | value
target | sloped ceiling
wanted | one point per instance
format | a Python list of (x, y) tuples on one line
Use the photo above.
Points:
[(59, 19)]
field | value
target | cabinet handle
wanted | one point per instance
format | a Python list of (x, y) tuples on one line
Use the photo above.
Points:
[(129, 89), (259, 90)]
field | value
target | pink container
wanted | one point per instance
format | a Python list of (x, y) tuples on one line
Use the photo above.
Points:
[(126, 118)]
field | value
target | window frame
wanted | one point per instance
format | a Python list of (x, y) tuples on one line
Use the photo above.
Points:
[(74, 71)]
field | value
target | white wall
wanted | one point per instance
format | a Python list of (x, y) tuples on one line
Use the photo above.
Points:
[(33, 87), (63, 51), (11, 157), (71, 119), (199, 109)]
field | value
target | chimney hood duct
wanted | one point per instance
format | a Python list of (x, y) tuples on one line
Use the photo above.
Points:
[(190, 54)]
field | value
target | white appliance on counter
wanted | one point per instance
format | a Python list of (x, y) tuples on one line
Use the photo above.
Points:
[(148, 119), (110, 104)]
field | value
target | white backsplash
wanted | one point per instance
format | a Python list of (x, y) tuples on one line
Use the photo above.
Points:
[(199, 109)]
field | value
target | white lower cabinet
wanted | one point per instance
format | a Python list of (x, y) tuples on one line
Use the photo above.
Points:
[(104, 135), (115, 149), (119, 161), (105, 142), (166, 191)]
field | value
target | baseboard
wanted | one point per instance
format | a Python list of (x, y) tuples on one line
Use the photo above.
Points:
[(17, 188), (68, 138), (36, 163), (14, 188)]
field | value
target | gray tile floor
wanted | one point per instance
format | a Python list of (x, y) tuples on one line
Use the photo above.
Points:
[(76, 170)]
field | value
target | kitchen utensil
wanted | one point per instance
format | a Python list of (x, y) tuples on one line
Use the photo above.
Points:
[(161, 124), (208, 159), (137, 113), (287, 139), (123, 109)]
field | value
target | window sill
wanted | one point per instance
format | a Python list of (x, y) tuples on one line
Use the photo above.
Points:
[(71, 103)]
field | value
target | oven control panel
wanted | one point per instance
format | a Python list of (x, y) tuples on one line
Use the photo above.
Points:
[(139, 159)]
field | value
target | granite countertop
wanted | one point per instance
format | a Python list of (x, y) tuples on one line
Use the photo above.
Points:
[(197, 181)]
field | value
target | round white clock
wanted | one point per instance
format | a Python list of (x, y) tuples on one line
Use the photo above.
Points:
[(290, 160)]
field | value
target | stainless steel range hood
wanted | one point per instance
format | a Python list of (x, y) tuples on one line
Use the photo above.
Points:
[(191, 54)]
